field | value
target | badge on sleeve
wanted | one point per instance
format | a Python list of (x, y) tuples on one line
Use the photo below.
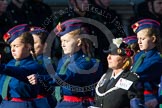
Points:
[(124, 83)]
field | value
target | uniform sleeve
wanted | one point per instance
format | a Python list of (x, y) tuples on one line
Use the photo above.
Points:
[(152, 72), (20, 73), (53, 80), (135, 94), (75, 76), (135, 88)]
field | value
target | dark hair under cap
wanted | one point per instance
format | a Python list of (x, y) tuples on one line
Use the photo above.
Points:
[(40, 32), (15, 32), (70, 25), (145, 23)]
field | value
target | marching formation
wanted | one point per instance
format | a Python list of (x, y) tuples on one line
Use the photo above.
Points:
[(80, 59)]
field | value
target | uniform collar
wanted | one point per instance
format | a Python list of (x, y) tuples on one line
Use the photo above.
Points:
[(150, 52), (24, 60), (40, 57), (74, 56), (112, 76)]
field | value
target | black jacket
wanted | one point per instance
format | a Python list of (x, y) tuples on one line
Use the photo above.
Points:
[(118, 98)]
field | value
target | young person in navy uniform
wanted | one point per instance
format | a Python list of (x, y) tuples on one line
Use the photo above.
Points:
[(40, 36), (83, 9), (148, 61), (117, 86), (77, 73), (16, 91)]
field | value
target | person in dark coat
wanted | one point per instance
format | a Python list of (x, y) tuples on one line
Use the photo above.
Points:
[(32, 12), (117, 86), (4, 26)]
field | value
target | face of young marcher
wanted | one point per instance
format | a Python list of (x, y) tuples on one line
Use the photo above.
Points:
[(145, 42), (70, 44), (19, 49), (38, 46)]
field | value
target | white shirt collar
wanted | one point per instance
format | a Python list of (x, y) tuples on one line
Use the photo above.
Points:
[(112, 76)]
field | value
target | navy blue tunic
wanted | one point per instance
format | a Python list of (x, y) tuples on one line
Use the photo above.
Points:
[(19, 86), (150, 71), (80, 78)]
